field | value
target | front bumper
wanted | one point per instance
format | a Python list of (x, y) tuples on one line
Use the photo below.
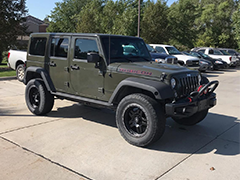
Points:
[(193, 104)]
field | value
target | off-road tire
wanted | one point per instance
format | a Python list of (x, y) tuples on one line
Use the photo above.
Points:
[(192, 120), (20, 71), (140, 119), (38, 99)]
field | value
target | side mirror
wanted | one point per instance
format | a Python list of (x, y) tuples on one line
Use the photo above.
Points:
[(93, 57)]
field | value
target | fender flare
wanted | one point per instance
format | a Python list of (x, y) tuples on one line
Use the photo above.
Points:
[(43, 74), (159, 89)]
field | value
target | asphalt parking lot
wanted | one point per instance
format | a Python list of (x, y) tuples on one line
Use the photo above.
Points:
[(78, 142)]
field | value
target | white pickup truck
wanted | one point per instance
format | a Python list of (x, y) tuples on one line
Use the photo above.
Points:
[(217, 54), (16, 61), (183, 59)]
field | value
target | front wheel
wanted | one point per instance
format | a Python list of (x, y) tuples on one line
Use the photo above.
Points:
[(140, 119), (38, 99), (192, 120)]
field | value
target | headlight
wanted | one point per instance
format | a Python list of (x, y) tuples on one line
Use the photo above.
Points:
[(199, 78), (173, 83), (218, 62), (160, 60), (202, 62)]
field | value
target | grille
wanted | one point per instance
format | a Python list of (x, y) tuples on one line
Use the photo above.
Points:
[(172, 60), (192, 63), (187, 85)]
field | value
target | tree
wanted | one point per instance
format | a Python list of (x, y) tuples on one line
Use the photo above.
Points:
[(215, 23), (89, 19), (154, 23), (12, 14), (63, 17), (181, 17), (236, 25)]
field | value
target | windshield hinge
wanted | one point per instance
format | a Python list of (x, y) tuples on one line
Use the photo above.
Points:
[(163, 76)]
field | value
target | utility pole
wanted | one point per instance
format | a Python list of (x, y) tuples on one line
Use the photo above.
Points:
[(139, 13)]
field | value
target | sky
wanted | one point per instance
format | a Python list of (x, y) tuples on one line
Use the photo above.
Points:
[(41, 8)]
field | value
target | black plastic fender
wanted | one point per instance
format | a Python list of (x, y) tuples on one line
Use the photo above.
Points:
[(159, 89), (29, 74)]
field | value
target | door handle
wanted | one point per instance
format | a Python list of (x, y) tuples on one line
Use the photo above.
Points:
[(52, 64), (75, 67)]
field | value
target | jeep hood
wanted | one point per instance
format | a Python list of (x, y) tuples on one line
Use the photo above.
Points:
[(150, 69)]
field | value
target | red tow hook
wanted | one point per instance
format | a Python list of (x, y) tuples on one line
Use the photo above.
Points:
[(190, 99)]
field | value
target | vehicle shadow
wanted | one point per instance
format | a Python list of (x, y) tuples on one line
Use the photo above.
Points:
[(177, 138)]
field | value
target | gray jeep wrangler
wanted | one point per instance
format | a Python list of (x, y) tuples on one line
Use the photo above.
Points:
[(115, 72)]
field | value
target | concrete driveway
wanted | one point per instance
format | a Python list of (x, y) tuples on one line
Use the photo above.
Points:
[(78, 142)]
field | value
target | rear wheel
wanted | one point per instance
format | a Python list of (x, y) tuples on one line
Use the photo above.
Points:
[(192, 120), (38, 99), (20, 71), (140, 119)]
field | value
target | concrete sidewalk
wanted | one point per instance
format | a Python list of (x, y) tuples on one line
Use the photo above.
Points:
[(79, 142)]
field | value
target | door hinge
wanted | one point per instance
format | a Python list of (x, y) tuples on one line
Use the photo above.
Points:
[(66, 84), (66, 69), (101, 90)]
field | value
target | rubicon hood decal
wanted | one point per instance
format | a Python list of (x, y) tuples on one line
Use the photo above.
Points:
[(135, 71)]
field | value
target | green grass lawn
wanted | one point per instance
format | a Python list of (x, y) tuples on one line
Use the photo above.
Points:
[(5, 71)]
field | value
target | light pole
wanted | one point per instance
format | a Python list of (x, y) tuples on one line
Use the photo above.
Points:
[(139, 9)]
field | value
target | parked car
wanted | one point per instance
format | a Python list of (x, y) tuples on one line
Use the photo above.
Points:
[(183, 60), (216, 54), (217, 63), (16, 61), (204, 64), (232, 52), (161, 57)]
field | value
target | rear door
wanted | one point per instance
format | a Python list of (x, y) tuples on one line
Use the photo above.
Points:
[(58, 62)]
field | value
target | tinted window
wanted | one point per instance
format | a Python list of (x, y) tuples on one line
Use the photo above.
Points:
[(38, 46), (84, 46), (59, 47), (160, 49)]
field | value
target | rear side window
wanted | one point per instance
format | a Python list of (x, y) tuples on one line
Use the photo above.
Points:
[(37, 46), (84, 46), (59, 47)]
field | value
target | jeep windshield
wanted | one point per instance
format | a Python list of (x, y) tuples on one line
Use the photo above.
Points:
[(124, 49)]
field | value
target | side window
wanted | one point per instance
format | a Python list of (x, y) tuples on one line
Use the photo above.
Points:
[(59, 47), (217, 52), (210, 51), (202, 51), (37, 46), (160, 49), (84, 46)]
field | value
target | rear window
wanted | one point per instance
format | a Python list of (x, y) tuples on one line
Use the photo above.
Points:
[(37, 46)]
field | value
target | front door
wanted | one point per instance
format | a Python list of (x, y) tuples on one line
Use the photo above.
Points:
[(58, 63), (86, 78)]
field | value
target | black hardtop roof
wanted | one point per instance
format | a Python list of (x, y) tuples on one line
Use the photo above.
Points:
[(84, 34)]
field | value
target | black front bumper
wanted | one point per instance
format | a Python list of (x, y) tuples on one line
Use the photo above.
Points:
[(192, 105)]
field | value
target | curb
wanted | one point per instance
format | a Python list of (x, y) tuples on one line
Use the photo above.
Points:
[(8, 78)]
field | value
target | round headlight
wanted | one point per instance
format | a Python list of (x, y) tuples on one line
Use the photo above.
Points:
[(199, 78), (173, 83)]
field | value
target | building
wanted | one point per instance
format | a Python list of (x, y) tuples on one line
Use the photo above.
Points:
[(34, 25)]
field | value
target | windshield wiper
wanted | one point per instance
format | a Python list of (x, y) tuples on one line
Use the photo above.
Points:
[(129, 60), (140, 57)]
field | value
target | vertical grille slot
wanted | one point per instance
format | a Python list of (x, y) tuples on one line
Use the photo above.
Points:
[(187, 85)]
